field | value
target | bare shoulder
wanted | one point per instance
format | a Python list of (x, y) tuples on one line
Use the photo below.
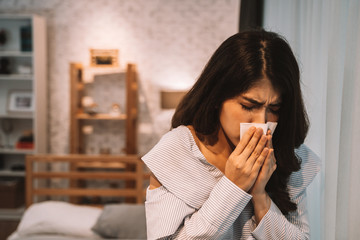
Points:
[(154, 182)]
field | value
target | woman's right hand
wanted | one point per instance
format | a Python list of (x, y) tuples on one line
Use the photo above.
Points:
[(245, 162)]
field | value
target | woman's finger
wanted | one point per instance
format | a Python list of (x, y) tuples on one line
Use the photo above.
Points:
[(272, 156), (268, 134), (257, 151), (270, 162), (248, 150), (260, 160), (244, 141)]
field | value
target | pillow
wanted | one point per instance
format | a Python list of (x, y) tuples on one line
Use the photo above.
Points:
[(122, 221), (54, 217)]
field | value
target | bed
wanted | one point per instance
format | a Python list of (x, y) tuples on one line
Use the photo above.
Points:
[(54, 219)]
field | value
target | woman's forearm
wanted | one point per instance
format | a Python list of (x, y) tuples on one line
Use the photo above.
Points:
[(262, 203), (274, 225)]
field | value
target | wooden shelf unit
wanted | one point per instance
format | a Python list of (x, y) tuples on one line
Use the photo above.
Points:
[(77, 113)]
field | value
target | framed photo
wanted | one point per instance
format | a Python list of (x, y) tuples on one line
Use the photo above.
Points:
[(20, 101), (104, 57)]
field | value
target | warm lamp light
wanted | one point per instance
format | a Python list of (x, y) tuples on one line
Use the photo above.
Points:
[(171, 98)]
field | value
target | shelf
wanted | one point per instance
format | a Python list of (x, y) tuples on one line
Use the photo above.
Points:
[(79, 77), (15, 54), (16, 151), (97, 165), (23, 77), (10, 173), (18, 116), (100, 116)]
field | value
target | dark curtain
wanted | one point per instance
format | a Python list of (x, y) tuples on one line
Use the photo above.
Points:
[(251, 14)]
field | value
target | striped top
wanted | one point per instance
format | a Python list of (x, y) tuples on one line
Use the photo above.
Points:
[(197, 201)]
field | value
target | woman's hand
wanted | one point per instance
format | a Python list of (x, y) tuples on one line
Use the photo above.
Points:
[(245, 162), (266, 171), (261, 199)]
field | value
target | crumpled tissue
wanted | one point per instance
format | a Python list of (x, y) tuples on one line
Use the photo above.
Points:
[(265, 126)]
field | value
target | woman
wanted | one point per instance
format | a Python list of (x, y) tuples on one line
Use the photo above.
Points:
[(209, 184)]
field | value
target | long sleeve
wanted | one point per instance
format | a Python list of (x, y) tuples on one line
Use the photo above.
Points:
[(196, 200), (169, 217), (274, 225)]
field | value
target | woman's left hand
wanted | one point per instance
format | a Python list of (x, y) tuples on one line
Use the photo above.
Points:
[(261, 200), (266, 171)]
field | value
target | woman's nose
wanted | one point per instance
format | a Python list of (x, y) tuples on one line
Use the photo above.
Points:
[(260, 117)]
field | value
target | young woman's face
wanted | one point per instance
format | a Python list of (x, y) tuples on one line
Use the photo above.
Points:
[(260, 104)]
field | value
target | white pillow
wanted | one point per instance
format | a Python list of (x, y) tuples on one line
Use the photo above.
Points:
[(54, 217)]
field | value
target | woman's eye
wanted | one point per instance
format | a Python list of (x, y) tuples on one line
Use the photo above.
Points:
[(247, 108), (275, 110)]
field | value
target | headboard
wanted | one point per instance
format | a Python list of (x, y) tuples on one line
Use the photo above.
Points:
[(129, 168)]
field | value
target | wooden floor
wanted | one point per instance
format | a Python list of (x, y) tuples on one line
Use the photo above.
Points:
[(7, 227)]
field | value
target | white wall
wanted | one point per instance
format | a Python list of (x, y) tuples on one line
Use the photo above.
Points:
[(169, 40)]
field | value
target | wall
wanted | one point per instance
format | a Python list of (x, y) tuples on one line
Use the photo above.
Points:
[(169, 40)]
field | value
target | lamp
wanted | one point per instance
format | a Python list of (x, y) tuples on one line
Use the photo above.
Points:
[(171, 98)]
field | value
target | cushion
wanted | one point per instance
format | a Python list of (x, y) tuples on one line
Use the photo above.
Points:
[(122, 221), (55, 217)]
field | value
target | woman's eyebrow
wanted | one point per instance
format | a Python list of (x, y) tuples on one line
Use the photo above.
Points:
[(253, 101), (277, 103)]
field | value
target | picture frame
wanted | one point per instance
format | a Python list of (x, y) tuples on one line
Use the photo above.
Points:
[(20, 101), (104, 57)]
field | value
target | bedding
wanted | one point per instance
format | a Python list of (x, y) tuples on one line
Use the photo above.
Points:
[(122, 221), (55, 220), (15, 236)]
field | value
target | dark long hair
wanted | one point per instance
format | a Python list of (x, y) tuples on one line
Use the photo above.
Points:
[(240, 62)]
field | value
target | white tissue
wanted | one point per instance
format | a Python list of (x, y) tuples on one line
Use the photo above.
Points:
[(265, 126)]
